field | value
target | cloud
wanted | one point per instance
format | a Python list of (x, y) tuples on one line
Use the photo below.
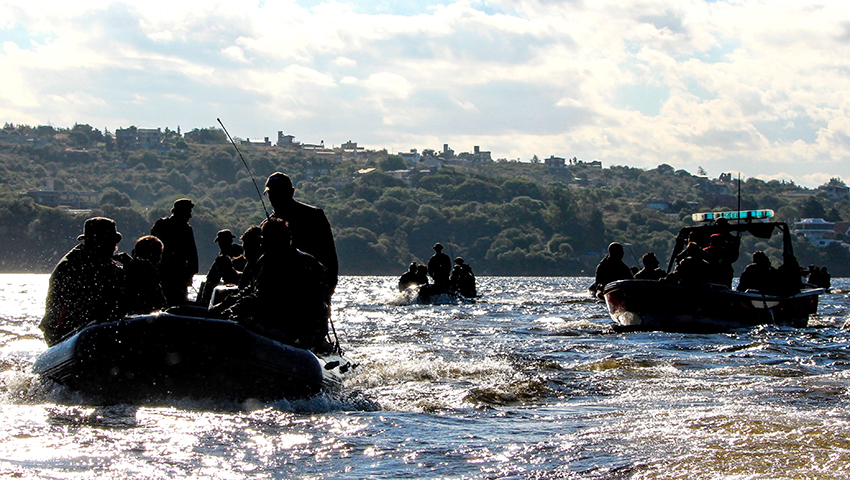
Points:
[(691, 83)]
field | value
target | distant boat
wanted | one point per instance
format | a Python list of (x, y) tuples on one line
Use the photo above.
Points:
[(657, 305), (177, 355)]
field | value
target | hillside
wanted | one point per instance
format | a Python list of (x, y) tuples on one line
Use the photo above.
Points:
[(504, 218)]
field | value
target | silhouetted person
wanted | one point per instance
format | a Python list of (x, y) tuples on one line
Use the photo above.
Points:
[(179, 254), (611, 268), (716, 254), (440, 267), (288, 303), (144, 292), (309, 227), (789, 276), (692, 269), (87, 286), (252, 246), (758, 276), (221, 271), (819, 277), (650, 270), (462, 279), (237, 257), (409, 278), (422, 274)]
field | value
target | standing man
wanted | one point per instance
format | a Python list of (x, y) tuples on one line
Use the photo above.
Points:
[(86, 286), (179, 255), (308, 225), (440, 267)]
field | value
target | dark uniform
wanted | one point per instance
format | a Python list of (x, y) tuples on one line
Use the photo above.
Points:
[(409, 278), (611, 268), (288, 300), (463, 280), (440, 267), (222, 269), (759, 275), (310, 229), (87, 286), (179, 255)]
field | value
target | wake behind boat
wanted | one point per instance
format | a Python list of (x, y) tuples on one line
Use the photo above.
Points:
[(181, 353), (668, 306)]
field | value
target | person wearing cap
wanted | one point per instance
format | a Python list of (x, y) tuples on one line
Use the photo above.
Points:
[(308, 225), (179, 254), (87, 286), (440, 267), (462, 279), (222, 270)]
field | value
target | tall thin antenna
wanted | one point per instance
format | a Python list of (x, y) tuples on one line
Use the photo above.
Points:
[(739, 197), (260, 194)]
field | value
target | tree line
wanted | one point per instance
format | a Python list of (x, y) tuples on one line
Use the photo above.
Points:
[(504, 218)]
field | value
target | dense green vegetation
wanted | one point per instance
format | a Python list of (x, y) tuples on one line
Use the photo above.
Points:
[(504, 218)]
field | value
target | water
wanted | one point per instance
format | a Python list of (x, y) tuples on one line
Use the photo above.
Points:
[(528, 383)]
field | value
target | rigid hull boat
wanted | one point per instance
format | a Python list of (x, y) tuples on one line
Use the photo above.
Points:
[(174, 355), (655, 305), (666, 306)]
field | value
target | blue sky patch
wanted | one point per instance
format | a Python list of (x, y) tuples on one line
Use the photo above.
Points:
[(647, 99)]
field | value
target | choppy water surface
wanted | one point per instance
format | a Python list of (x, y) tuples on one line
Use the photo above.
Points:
[(530, 382)]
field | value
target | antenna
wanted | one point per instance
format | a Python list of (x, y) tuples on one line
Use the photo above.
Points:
[(246, 167), (739, 197)]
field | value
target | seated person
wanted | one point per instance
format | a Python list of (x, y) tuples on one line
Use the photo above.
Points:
[(716, 254), (692, 269), (288, 301), (462, 280), (409, 278), (611, 268), (789, 276), (650, 269), (222, 270), (252, 248), (819, 277), (422, 274), (237, 257), (757, 276), (87, 286), (144, 293)]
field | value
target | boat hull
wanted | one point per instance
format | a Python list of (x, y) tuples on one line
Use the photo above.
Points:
[(655, 305), (169, 355)]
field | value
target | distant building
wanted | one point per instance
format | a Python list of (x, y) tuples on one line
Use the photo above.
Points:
[(431, 163), (63, 198), (817, 231), (16, 137), (836, 192), (554, 163), (286, 140), (413, 156), (658, 204), (351, 146), (448, 153), (265, 143), (403, 175), (149, 138), (129, 138)]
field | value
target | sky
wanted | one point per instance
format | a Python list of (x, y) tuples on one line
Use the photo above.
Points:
[(760, 88)]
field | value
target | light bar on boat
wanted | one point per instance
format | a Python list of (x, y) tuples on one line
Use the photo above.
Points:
[(736, 215)]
